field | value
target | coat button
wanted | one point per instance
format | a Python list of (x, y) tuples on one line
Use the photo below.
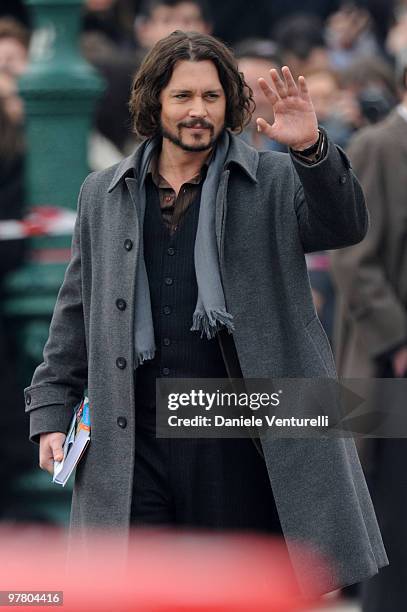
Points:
[(122, 422), (166, 342), (167, 310), (342, 179), (166, 371), (121, 363), (171, 251), (128, 244), (121, 304), (28, 399), (168, 281)]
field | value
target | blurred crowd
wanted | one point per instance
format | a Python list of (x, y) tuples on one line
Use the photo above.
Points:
[(350, 52), (354, 57), (347, 50)]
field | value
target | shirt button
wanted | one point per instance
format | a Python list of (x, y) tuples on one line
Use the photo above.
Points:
[(166, 342), (342, 179), (122, 422), (168, 281), (121, 363), (166, 371), (28, 399), (171, 251), (167, 310), (128, 244), (121, 304)]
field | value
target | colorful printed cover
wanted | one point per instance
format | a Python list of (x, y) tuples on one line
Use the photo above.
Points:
[(76, 441)]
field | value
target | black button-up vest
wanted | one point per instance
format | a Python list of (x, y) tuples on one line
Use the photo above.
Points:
[(180, 353)]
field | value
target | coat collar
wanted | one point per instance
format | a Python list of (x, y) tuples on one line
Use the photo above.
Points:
[(239, 153)]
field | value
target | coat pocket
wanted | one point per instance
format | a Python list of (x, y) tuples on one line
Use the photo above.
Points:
[(320, 341)]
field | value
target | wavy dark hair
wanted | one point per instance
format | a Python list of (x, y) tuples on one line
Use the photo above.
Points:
[(155, 73)]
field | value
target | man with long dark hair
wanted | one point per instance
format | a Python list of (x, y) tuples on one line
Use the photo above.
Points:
[(188, 262)]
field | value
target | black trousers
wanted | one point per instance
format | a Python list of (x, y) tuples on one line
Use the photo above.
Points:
[(387, 591), (201, 483)]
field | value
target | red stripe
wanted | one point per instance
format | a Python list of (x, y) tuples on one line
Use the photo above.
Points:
[(51, 255)]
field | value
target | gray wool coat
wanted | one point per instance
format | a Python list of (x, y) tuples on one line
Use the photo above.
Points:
[(271, 209)]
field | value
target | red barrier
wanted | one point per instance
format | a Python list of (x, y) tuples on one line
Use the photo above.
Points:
[(165, 572)]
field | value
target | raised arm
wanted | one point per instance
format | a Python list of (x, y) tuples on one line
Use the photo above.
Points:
[(329, 201)]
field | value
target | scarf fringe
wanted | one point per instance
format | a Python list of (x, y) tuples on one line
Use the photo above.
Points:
[(210, 324), (145, 355)]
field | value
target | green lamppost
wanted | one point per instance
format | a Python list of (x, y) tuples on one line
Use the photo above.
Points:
[(60, 90)]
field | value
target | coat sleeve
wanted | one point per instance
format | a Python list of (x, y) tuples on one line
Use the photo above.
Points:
[(368, 296), (60, 380), (329, 202)]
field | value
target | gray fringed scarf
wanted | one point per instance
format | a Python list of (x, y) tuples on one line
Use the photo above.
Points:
[(210, 311)]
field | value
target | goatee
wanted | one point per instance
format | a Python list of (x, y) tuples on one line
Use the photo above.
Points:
[(177, 139)]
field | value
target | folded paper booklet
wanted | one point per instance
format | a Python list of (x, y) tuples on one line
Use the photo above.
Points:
[(76, 441)]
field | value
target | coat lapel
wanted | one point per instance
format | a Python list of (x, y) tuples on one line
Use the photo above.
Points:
[(220, 213), (247, 159), (133, 189)]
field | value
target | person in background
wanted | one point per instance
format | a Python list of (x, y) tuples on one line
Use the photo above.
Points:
[(108, 25), (371, 82), (14, 43), (15, 455), (280, 9), (396, 40), (337, 108), (371, 335), (350, 35), (237, 20), (107, 42), (301, 43), (257, 57), (158, 18), (12, 103), (17, 9)]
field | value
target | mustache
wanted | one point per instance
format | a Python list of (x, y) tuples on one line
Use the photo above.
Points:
[(196, 122)]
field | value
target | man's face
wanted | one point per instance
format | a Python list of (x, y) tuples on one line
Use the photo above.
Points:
[(193, 106), (165, 19)]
